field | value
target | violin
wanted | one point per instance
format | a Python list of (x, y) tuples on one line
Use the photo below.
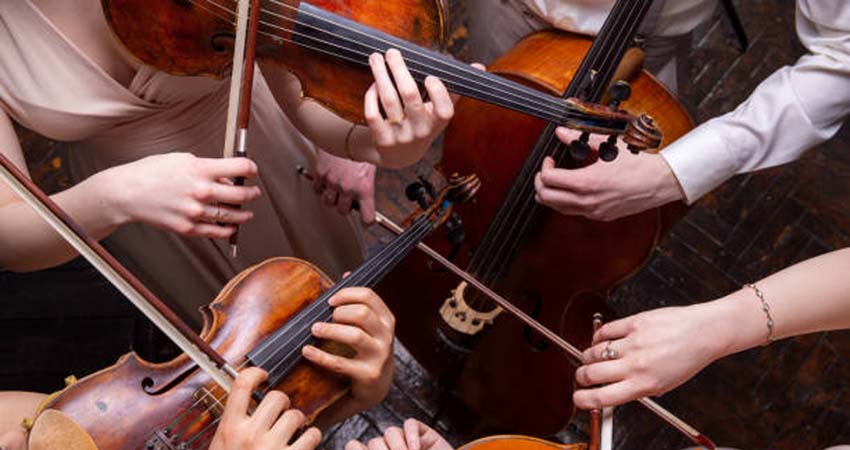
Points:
[(261, 318), (558, 269), (326, 44)]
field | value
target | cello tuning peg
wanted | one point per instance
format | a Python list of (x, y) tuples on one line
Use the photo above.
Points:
[(608, 150), (579, 148), (620, 91)]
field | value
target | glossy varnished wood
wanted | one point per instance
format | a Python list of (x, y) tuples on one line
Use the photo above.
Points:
[(515, 442), (191, 38), (566, 267), (123, 405)]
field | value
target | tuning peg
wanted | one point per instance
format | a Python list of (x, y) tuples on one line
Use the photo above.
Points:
[(417, 192), (579, 148), (608, 150), (620, 91)]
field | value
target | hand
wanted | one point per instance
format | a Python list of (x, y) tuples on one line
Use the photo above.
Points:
[(607, 191), (411, 123), (342, 181), (654, 352), (270, 427), (182, 193), (415, 436), (362, 321)]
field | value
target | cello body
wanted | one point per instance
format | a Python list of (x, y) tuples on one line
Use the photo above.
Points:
[(511, 442), (564, 270), (135, 404)]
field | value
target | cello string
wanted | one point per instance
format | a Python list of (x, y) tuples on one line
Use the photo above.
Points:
[(523, 205), (519, 196), (528, 205), (476, 75)]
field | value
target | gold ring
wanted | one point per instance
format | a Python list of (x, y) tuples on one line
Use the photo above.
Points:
[(397, 121)]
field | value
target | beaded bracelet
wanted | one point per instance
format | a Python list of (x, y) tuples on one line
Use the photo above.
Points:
[(766, 308)]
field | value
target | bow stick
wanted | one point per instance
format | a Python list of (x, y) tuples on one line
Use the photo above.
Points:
[(241, 84), (692, 433), (152, 307)]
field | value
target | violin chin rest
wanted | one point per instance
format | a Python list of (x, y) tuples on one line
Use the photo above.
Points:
[(53, 430)]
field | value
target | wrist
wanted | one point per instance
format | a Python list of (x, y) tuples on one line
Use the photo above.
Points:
[(740, 322), (668, 189), (111, 198)]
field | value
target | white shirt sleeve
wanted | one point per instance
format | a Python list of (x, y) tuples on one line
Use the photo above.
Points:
[(791, 111)]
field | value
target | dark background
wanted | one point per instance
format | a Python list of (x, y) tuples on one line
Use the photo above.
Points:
[(790, 395)]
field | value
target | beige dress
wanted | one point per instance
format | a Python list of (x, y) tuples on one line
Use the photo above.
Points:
[(48, 85)]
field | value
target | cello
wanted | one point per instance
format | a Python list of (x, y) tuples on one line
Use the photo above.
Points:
[(558, 269)]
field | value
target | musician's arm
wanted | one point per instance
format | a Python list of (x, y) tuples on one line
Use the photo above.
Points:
[(398, 140), (658, 350), (28, 242), (177, 192), (794, 109)]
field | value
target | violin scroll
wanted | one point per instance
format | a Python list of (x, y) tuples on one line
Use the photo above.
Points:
[(642, 134), (462, 188)]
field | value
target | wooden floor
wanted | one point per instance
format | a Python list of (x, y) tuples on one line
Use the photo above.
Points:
[(791, 395)]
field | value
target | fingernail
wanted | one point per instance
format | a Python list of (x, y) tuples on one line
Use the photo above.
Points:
[(316, 328), (308, 350)]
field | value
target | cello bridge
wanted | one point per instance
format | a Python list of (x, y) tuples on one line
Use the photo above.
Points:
[(462, 318)]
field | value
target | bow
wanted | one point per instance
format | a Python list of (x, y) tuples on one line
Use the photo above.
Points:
[(241, 84), (152, 307)]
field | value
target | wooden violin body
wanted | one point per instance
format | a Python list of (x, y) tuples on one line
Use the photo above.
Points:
[(564, 269), (514, 442), (135, 404), (195, 37)]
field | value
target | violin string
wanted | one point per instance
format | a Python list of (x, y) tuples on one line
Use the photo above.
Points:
[(366, 275), (373, 272), (464, 69), (479, 78), (350, 280), (522, 206)]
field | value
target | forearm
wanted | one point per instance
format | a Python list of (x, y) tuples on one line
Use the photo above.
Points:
[(34, 245), (811, 296), (324, 128), (796, 108)]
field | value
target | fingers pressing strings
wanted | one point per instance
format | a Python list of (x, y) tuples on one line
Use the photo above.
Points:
[(426, 64)]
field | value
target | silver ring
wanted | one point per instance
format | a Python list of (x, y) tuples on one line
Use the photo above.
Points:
[(609, 353)]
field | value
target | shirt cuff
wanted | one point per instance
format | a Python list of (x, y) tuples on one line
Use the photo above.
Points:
[(701, 160)]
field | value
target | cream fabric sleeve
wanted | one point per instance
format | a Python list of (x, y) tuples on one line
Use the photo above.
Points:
[(794, 109)]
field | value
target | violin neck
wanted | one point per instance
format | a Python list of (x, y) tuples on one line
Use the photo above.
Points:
[(331, 34), (280, 353)]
